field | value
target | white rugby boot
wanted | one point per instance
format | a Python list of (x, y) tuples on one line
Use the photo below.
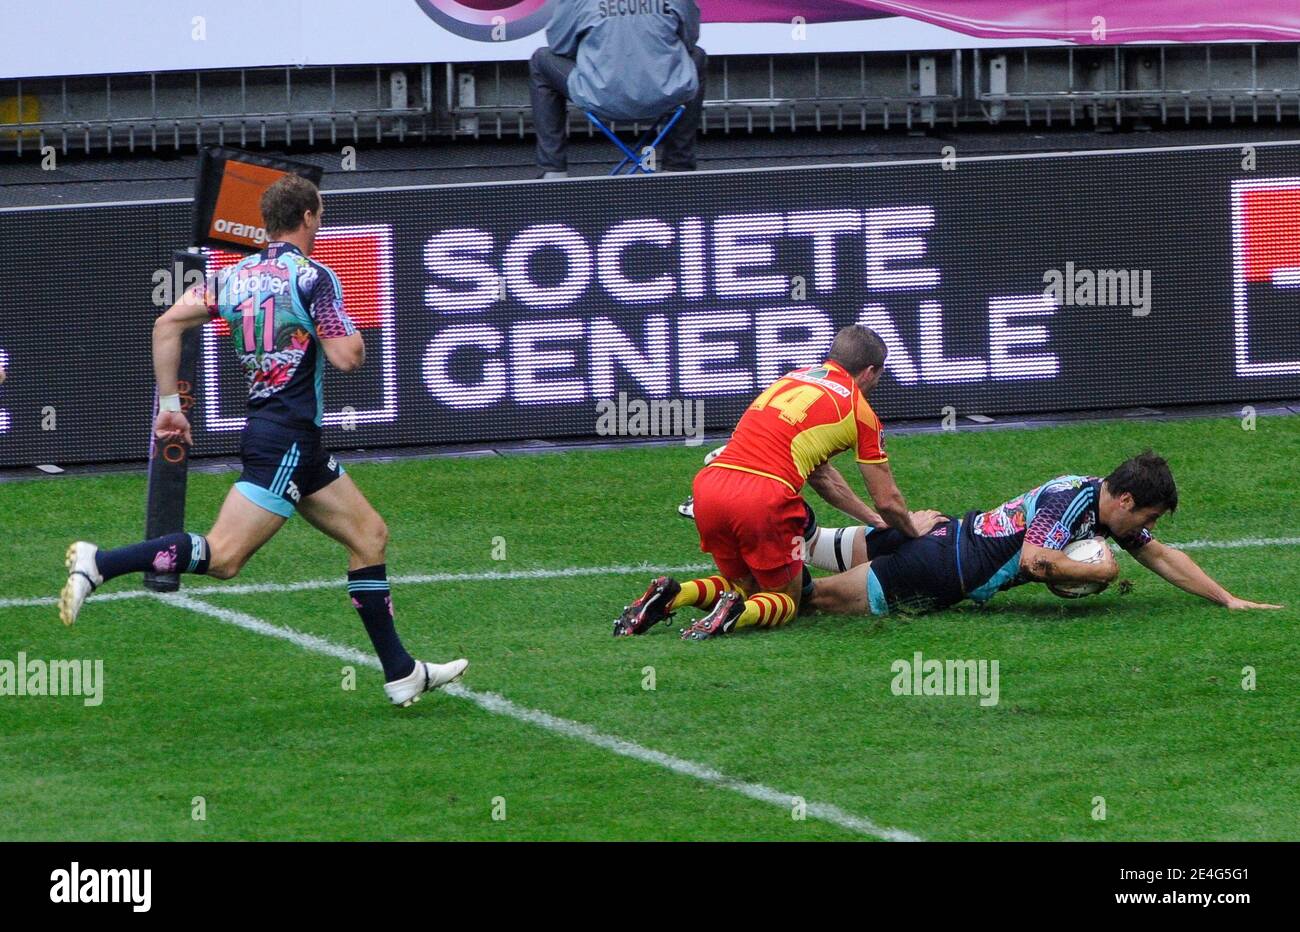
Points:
[(83, 577), (424, 678)]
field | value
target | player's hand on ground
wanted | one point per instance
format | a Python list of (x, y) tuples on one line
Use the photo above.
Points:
[(1237, 604), (925, 521), (172, 425)]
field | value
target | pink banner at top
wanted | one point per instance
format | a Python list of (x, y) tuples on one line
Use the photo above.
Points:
[(1063, 20)]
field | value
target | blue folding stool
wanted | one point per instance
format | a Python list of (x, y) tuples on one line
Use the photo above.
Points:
[(667, 122)]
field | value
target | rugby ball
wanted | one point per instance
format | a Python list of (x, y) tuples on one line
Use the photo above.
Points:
[(1089, 550)]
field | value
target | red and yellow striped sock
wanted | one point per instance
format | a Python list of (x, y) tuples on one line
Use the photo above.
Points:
[(701, 593), (767, 610)]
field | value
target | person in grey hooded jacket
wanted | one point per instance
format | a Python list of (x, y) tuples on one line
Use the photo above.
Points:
[(627, 60)]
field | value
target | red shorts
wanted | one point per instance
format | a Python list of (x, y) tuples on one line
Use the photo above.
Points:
[(751, 525)]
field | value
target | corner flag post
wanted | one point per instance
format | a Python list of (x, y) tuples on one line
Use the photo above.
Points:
[(169, 461)]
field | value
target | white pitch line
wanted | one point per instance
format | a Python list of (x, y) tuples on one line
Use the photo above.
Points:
[(340, 582), (560, 573), (1238, 543), (499, 705), (53, 600)]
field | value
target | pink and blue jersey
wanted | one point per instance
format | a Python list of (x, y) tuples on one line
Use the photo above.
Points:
[(1053, 515), (279, 304)]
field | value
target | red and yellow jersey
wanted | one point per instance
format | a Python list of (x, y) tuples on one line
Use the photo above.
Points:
[(801, 421)]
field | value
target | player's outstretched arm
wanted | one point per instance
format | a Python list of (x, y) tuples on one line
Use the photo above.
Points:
[(830, 484), (1178, 568), (189, 312)]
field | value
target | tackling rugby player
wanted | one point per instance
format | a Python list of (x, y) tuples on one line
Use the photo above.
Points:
[(747, 507), (285, 313), (980, 554)]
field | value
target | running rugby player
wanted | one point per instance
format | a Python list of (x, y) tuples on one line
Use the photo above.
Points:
[(747, 506), (1021, 541), (285, 312)]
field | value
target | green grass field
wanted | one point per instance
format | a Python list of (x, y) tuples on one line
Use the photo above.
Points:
[(1133, 697)]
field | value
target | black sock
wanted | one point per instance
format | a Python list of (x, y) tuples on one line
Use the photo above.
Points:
[(371, 598), (175, 553)]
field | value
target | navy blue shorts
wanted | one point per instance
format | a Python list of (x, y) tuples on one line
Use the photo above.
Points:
[(913, 574), (283, 465)]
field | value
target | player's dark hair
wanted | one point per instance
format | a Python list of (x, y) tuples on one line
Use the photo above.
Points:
[(857, 347), (1147, 478), (285, 202)]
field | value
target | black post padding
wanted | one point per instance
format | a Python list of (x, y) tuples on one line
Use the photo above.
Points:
[(169, 462)]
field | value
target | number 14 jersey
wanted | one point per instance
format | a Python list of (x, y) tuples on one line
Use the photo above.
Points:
[(801, 421)]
